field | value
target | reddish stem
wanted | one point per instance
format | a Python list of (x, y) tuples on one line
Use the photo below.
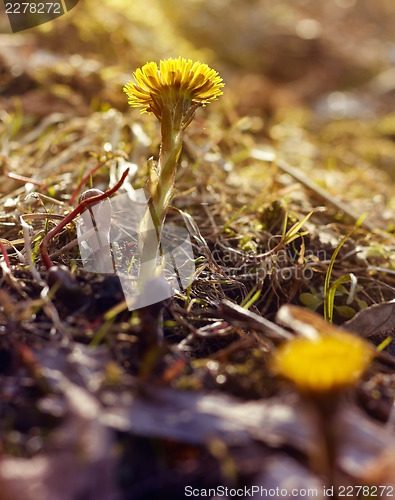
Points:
[(80, 208), (83, 180), (5, 254)]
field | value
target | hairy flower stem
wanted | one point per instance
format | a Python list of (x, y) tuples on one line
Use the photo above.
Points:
[(162, 193), (161, 186)]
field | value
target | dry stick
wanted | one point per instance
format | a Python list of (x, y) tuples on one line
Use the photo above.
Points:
[(300, 177), (43, 197), (26, 237), (20, 178), (237, 315), (84, 204)]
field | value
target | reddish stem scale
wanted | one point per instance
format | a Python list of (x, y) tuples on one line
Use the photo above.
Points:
[(84, 204), (5, 254)]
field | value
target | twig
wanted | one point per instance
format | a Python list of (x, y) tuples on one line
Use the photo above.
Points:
[(237, 315)]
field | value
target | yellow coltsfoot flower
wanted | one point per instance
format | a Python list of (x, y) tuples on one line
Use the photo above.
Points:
[(328, 363), (176, 83)]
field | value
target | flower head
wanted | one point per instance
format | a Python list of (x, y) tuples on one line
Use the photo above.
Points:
[(327, 363), (175, 83)]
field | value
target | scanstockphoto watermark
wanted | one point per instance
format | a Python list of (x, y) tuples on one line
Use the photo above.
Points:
[(108, 238), (354, 491), (249, 491), (24, 15)]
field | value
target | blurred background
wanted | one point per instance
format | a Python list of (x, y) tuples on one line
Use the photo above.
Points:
[(336, 56)]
